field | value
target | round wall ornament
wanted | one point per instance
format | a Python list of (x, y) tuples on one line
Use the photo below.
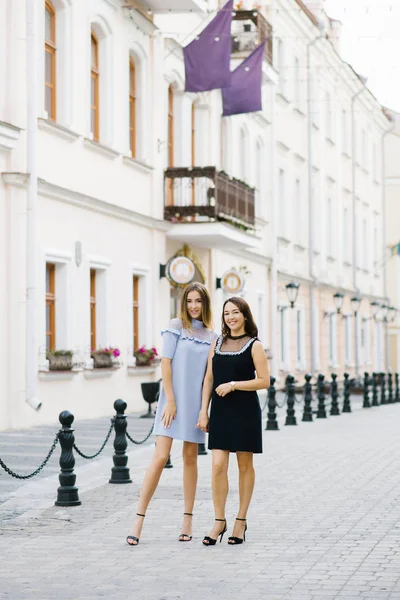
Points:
[(181, 270), (232, 282)]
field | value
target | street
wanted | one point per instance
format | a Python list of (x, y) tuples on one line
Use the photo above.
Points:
[(324, 524)]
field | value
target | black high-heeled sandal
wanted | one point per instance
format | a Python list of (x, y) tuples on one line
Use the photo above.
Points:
[(233, 540), (209, 541), (133, 537), (185, 535)]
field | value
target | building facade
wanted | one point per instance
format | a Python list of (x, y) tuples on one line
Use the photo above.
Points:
[(109, 170)]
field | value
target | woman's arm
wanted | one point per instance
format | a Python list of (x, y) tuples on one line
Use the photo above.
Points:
[(207, 391), (170, 407), (261, 382)]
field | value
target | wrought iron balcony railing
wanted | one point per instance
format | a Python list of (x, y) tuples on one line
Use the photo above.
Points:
[(201, 194), (249, 29)]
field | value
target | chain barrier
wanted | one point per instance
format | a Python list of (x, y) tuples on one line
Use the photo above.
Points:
[(44, 463), (102, 447), (142, 441), (283, 403)]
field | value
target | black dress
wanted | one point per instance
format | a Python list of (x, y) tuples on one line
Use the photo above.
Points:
[(235, 419)]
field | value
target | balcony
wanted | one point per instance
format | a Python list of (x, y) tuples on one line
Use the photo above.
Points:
[(176, 5), (250, 28), (209, 208)]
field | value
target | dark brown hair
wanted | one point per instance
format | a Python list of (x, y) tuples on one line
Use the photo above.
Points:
[(206, 314), (249, 325)]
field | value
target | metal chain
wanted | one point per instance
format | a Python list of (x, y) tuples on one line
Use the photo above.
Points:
[(283, 403), (46, 460), (142, 441), (103, 446)]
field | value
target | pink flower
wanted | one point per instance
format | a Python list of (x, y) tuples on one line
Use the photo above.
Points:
[(116, 352)]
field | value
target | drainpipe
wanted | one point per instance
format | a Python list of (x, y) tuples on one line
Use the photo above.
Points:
[(313, 283), (355, 241), (384, 247), (31, 244)]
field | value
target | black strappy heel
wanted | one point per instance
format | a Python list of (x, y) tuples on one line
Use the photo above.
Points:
[(209, 541), (233, 540), (185, 535), (133, 537)]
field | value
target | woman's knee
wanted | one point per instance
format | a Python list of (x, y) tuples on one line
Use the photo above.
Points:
[(245, 466), (220, 466), (190, 458)]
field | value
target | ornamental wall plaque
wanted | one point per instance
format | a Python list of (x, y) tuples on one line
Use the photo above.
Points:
[(232, 282), (181, 270)]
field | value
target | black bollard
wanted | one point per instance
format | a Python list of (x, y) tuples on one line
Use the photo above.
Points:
[(67, 493), (272, 423), (390, 388), (291, 399), (168, 464), (346, 394), (375, 400), (120, 472), (201, 450), (383, 389), (321, 413), (307, 412), (397, 395), (334, 395), (366, 403)]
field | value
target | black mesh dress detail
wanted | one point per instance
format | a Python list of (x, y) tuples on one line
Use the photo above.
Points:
[(235, 419)]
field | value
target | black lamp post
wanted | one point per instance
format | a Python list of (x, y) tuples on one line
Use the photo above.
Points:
[(375, 310), (338, 300), (292, 290)]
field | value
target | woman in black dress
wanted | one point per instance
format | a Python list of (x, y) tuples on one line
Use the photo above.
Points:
[(237, 367)]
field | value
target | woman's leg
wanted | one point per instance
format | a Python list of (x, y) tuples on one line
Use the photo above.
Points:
[(189, 454), (220, 486), (246, 487), (150, 482)]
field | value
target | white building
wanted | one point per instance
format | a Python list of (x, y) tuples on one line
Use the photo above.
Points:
[(98, 141)]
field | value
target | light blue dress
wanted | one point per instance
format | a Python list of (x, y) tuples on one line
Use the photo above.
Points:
[(188, 351)]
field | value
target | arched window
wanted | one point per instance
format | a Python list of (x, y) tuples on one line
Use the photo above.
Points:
[(94, 88), (50, 61), (193, 134), (132, 107), (170, 126)]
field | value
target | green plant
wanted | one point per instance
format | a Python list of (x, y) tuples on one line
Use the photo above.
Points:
[(50, 353)]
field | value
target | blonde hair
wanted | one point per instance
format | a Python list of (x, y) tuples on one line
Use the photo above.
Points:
[(206, 314)]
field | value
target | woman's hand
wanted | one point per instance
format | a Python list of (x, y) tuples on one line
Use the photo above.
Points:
[(169, 414), (203, 421), (223, 389)]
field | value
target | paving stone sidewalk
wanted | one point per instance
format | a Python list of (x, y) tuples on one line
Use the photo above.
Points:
[(324, 524)]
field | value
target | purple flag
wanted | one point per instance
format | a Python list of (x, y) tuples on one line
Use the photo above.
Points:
[(244, 93), (207, 58)]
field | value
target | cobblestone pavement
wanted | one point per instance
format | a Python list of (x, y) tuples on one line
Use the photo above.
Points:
[(324, 524)]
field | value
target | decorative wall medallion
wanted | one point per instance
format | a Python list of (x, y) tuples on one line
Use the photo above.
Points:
[(181, 270), (232, 282)]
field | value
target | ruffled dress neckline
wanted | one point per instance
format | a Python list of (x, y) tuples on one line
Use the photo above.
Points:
[(196, 324)]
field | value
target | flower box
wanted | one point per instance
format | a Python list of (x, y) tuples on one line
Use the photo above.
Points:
[(105, 358), (60, 360), (145, 356)]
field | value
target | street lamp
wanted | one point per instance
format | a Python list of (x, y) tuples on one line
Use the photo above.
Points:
[(375, 310), (355, 304), (392, 314), (338, 300), (384, 312), (292, 290)]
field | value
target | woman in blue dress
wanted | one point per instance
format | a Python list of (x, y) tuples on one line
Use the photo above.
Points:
[(186, 343)]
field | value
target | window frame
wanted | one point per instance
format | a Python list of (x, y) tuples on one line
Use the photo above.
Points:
[(93, 308), (95, 77), (132, 106), (50, 48), (136, 310), (51, 303)]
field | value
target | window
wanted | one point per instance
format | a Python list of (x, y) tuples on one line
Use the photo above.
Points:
[(282, 203), (132, 107), (135, 306), (93, 330), (244, 154), (259, 178), (298, 214), (170, 126), (50, 61), (314, 100), (374, 163), (297, 83), (50, 306), (94, 90), (346, 236), (347, 340), (332, 340), (224, 146), (281, 67), (364, 148), (330, 235), (193, 134), (328, 116), (365, 246), (365, 342), (344, 131), (376, 249)]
